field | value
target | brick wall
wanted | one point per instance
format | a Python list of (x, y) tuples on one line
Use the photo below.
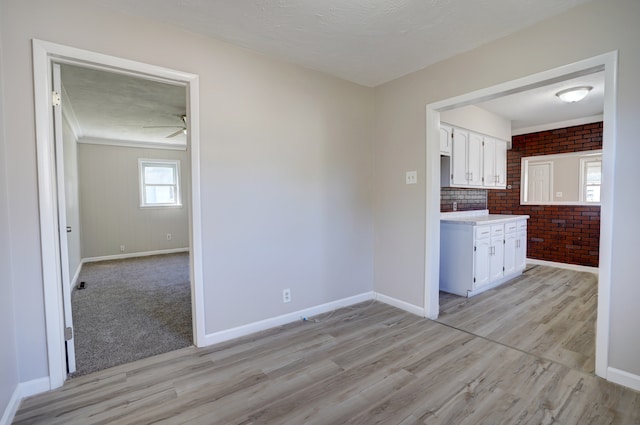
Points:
[(560, 233), (466, 199)]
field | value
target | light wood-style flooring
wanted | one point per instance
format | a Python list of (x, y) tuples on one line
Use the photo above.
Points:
[(368, 364), (549, 312)]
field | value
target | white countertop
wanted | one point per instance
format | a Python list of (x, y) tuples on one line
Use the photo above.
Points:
[(478, 217)]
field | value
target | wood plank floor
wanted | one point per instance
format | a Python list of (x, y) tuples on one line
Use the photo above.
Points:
[(368, 364), (549, 312)]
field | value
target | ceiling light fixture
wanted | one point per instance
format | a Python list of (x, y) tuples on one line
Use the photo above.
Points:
[(574, 94)]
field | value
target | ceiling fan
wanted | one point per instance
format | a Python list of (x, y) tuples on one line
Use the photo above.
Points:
[(182, 128)]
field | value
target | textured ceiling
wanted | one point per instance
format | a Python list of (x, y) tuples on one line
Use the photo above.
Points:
[(114, 107), (365, 41), (541, 106)]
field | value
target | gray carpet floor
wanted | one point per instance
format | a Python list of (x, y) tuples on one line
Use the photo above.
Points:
[(131, 309)]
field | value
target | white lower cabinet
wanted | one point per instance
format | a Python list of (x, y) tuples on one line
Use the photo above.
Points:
[(474, 258)]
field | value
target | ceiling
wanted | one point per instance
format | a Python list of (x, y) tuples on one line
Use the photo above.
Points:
[(364, 41), (540, 108), (106, 107), (368, 42)]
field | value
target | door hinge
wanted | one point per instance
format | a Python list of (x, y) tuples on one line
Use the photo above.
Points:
[(68, 333), (474, 280), (55, 98), (474, 248), (503, 268)]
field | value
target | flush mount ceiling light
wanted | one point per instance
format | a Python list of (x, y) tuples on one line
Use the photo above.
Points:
[(574, 94)]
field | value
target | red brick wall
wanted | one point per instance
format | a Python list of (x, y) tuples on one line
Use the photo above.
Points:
[(560, 233)]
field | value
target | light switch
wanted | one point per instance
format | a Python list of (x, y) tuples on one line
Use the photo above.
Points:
[(412, 177)]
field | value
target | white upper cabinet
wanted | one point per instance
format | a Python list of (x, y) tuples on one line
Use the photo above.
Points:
[(446, 139), (475, 161), (494, 162)]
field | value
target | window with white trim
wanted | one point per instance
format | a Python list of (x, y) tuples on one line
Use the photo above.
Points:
[(159, 183), (591, 179)]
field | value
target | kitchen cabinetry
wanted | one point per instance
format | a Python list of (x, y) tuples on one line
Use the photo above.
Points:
[(446, 138), (466, 158), (475, 160), (494, 163), (481, 252)]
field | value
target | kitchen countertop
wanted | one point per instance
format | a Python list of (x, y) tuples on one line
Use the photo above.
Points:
[(478, 217)]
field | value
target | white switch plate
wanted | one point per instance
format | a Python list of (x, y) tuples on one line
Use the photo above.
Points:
[(558, 194), (412, 177)]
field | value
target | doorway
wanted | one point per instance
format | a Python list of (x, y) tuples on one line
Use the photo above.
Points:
[(606, 63), (45, 54), (124, 176)]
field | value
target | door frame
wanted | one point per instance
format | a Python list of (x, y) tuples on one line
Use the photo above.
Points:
[(607, 62), (44, 54)]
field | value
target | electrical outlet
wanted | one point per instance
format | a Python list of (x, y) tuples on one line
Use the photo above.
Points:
[(168, 236), (286, 295), (121, 248), (455, 206), (412, 177)]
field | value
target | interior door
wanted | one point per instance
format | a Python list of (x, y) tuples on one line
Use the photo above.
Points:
[(539, 189), (62, 221)]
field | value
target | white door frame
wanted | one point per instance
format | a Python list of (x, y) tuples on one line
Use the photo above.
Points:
[(607, 62), (44, 54)]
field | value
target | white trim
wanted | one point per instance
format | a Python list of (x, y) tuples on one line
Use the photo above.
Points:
[(22, 391), (402, 305), (606, 62), (74, 280), (556, 125), (133, 255), (574, 267), (44, 54), (273, 322), (12, 407), (432, 216), (33, 387), (141, 144), (623, 378)]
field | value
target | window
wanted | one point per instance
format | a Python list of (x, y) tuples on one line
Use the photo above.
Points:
[(159, 183), (591, 179), (561, 179)]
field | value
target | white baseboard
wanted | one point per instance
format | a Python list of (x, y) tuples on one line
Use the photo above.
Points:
[(575, 267), (402, 305), (133, 255), (74, 280), (23, 390), (623, 378), (12, 407), (262, 325)]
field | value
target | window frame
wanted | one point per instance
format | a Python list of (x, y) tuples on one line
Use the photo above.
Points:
[(172, 163), (583, 179)]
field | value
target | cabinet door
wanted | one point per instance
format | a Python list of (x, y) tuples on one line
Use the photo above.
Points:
[(459, 157), (521, 250), (497, 259), (489, 162), (510, 243), (474, 160), (501, 163), (481, 262), (445, 139)]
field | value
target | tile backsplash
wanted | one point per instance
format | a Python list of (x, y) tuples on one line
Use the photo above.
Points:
[(466, 199)]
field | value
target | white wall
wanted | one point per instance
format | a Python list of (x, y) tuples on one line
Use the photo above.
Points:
[(110, 203), (583, 32), (72, 197), (286, 160), (8, 355), (479, 120)]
